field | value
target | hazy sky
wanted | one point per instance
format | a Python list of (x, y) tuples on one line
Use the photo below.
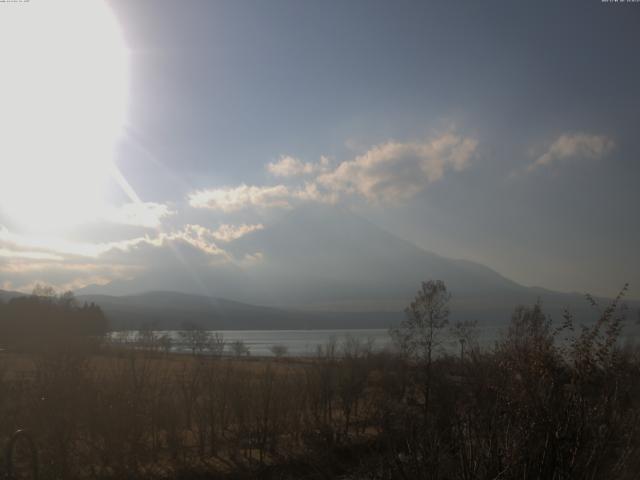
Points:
[(500, 132)]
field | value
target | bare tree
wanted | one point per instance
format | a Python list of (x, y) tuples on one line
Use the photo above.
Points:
[(216, 344), (279, 351), (165, 342), (44, 292), (467, 335), (420, 333), (239, 348), (147, 339), (196, 338)]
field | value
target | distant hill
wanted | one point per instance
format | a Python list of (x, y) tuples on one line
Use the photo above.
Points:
[(6, 295), (172, 310)]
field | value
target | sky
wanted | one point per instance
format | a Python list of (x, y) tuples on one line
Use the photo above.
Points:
[(505, 133)]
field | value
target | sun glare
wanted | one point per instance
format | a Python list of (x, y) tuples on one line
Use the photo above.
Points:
[(63, 98)]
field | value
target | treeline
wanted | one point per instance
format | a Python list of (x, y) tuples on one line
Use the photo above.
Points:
[(45, 318), (550, 400)]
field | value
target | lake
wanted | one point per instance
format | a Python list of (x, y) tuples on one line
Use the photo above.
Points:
[(306, 342)]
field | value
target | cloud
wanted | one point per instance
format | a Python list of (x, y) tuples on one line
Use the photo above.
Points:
[(393, 171), (390, 172), (143, 214), (228, 233), (19, 273), (197, 237), (229, 199), (25, 254), (251, 259), (232, 199), (578, 145), (313, 192), (17, 246), (26, 260), (288, 166)]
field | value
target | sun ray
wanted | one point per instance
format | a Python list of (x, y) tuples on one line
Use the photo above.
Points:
[(130, 192)]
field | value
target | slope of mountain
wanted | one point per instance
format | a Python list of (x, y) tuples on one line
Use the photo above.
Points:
[(320, 254)]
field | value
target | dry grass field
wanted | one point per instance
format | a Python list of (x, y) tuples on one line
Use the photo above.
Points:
[(547, 401)]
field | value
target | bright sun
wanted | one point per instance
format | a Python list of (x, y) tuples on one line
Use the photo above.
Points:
[(63, 95)]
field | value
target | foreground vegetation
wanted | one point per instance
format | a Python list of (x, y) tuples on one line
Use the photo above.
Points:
[(549, 401)]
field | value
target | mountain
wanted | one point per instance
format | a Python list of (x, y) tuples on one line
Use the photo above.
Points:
[(321, 258), (321, 264), (313, 255), (321, 254)]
